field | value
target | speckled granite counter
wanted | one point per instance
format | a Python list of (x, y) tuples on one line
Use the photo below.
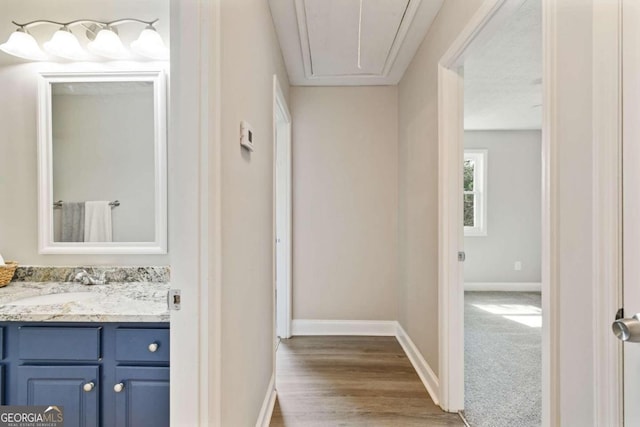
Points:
[(113, 302)]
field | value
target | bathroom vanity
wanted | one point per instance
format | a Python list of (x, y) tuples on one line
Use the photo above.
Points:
[(101, 351), (95, 340)]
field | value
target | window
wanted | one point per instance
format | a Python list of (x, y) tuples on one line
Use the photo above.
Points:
[(475, 192)]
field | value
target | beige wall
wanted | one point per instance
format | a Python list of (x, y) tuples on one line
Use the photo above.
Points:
[(418, 180), (250, 57), (18, 138), (345, 161), (573, 64)]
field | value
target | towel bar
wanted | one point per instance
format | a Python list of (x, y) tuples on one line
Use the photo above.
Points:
[(59, 203)]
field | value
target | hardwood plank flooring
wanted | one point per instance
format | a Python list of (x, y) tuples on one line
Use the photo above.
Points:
[(351, 381)]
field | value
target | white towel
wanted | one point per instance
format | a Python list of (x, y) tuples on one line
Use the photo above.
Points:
[(97, 222)]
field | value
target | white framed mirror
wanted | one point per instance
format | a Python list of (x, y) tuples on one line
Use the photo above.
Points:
[(102, 163)]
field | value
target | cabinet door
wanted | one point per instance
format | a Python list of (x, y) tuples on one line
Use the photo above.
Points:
[(2, 392), (62, 386), (143, 396)]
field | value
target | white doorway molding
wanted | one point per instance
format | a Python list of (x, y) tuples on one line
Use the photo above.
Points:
[(194, 212), (607, 208), (480, 28), (282, 203)]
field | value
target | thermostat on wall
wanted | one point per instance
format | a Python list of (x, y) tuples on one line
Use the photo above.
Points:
[(246, 135)]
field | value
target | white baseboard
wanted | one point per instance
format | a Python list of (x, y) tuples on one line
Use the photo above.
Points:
[(264, 419), (426, 374), (503, 286), (382, 328)]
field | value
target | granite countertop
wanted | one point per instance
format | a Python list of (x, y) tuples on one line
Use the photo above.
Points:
[(113, 302)]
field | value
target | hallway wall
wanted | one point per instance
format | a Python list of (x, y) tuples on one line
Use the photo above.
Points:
[(345, 190), (574, 198), (250, 57), (418, 180)]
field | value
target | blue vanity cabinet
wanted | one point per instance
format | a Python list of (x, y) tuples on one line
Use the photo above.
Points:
[(71, 387), (2, 393), (102, 374), (140, 389), (60, 366), (142, 396), (2, 382)]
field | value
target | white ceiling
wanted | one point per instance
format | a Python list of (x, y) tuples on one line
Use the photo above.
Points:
[(502, 80), (350, 42)]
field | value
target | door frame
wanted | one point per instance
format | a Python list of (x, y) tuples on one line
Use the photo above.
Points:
[(195, 211), (283, 313), (488, 18), (607, 208)]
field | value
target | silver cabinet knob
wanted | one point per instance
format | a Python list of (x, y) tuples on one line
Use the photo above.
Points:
[(118, 387), (88, 386), (153, 347), (627, 330)]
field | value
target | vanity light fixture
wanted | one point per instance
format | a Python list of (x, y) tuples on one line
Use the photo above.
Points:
[(108, 44), (150, 45), (103, 36), (23, 45), (65, 45)]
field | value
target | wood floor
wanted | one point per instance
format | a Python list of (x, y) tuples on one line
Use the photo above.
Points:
[(351, 381)]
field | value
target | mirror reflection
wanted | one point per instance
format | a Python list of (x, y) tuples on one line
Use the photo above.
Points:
[(103, 160)]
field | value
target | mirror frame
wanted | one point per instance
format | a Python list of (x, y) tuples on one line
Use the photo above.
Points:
[(46, 243)]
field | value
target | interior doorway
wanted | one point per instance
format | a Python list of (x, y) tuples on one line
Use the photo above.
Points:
[(483, 29), (502, 183), (283, 212)]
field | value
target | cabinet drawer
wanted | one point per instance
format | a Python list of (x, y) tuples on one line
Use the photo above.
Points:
[(59, 343), (142, 345)]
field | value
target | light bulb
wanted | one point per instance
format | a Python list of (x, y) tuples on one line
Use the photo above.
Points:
[(65, 45), (108, 44), (150, 45), (23, 45)]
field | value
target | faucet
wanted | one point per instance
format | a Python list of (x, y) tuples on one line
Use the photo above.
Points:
[(87, 279)]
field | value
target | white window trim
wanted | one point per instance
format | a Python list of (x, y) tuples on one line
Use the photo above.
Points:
[(480, 184)]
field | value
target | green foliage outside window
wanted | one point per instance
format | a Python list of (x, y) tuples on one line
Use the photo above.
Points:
[(469, 216)]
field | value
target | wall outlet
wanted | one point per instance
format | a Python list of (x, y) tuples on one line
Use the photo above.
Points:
[(517, 266)]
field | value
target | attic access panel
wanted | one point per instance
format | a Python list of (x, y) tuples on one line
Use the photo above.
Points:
[(351, 37)]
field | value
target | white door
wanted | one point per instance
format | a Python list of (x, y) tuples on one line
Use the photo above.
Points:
[(629, 328)]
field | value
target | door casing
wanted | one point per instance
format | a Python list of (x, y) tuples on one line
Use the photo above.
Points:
[(282, 202)]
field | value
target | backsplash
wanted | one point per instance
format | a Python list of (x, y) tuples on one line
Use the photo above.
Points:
[(111, 274)]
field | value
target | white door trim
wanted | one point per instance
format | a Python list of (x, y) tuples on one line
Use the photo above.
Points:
[(284, 304), (450, 239), (607, 203), (550, 281), (194, 212)]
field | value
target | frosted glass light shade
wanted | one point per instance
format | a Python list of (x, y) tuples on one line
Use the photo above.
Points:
[(150, 45), (109, 45), (65, 45), (23, 45)]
